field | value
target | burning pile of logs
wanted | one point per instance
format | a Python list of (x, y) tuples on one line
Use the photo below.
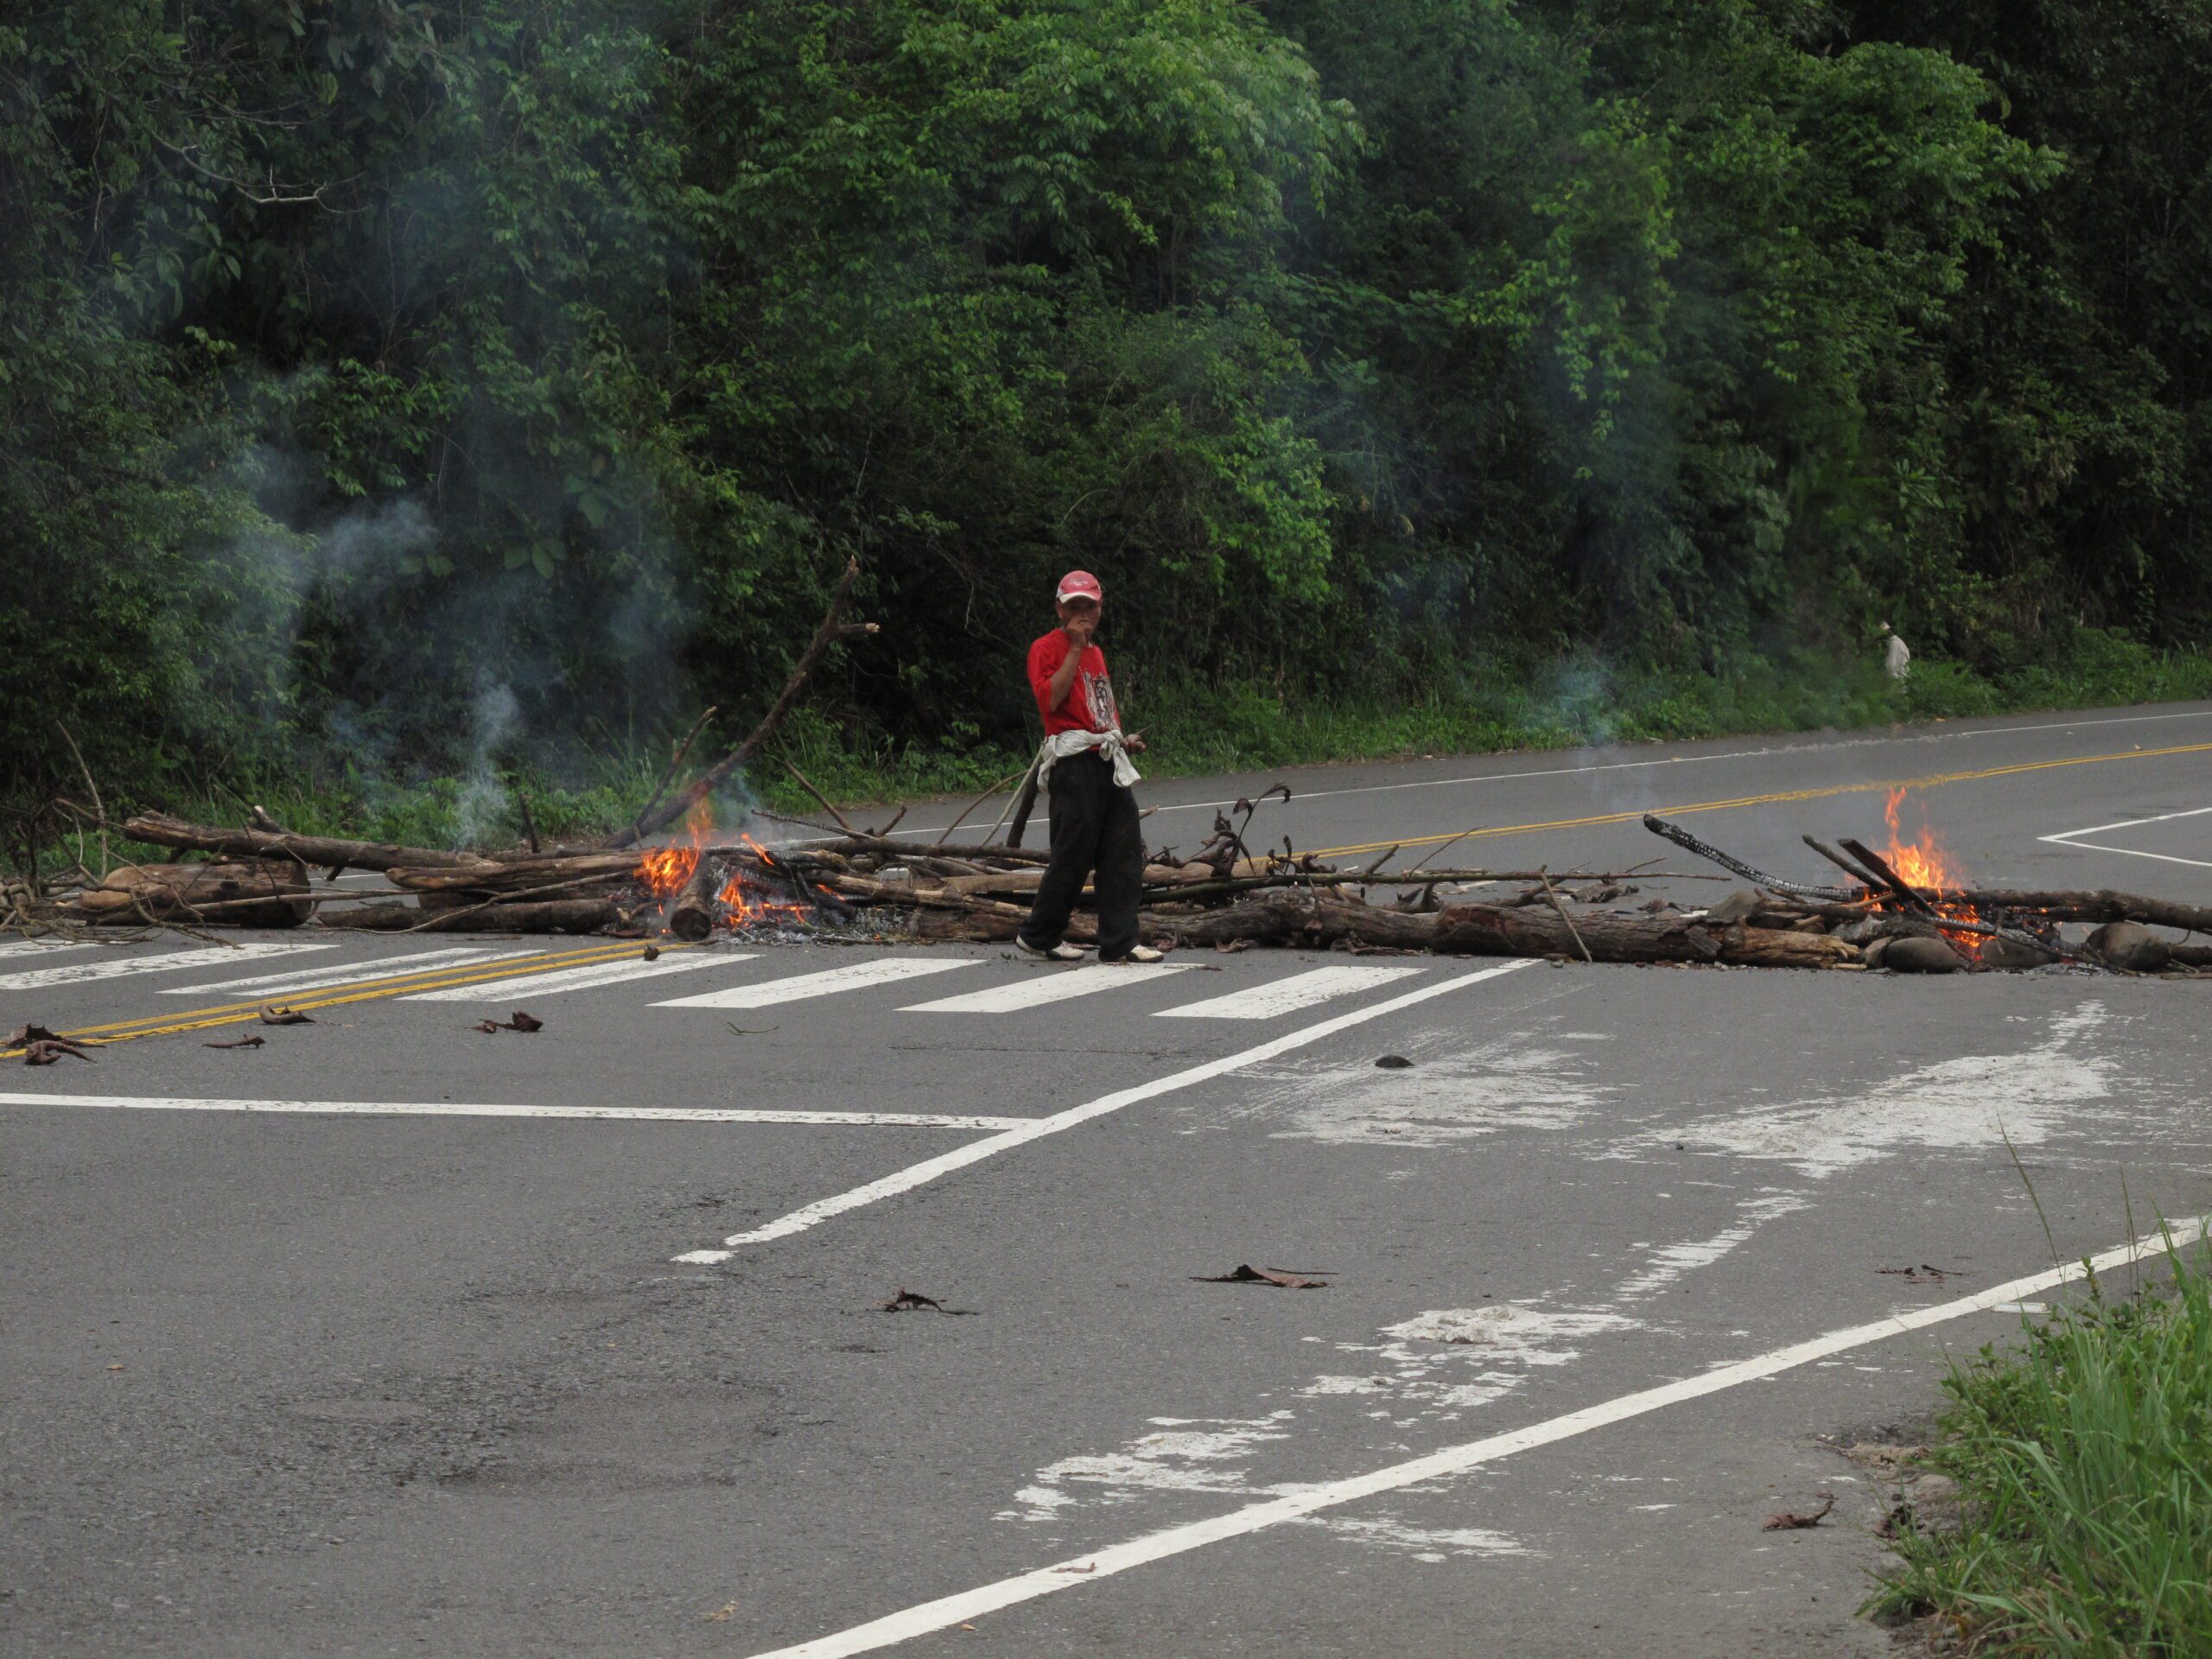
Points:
[(857, 885), (1904, 909)]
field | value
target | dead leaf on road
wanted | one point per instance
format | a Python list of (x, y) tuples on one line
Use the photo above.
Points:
[(721, 1615), (26, 1035), (1395, 1063), (1248, 1274), (255, 1041), (907, 1300), (521, 1022), (47, 1051), (1788, 1521), (272, 1015)]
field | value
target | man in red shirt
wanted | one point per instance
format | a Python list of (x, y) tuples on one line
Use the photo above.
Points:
[(1085, 764)]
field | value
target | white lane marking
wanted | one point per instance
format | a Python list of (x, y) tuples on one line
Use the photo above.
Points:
[(38, 979), (577, 979), (13, 948), (1046, 988), (906, 1180), (308, 979), (1282, 996), (1766, 753), (462, 1108), (2069, 839), (855, 976), (949, 1612)]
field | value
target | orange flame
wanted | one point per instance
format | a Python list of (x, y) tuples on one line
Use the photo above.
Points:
[(664, 870), (1920, 863)]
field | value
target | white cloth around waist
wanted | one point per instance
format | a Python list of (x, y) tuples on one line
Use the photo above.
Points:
[(1110, 743)]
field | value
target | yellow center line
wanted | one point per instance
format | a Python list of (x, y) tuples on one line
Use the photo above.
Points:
[(1636, 814), (361, 990)]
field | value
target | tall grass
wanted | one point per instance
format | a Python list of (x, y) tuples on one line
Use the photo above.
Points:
[(2084, 1462)]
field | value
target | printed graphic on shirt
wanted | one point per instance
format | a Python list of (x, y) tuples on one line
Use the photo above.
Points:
[(1099, 689)]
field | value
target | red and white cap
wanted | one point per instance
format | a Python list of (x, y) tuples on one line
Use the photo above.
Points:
[(1080, 584)]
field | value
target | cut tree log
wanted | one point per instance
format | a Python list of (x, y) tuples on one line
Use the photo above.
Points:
[(899, 851), (831, 630), (517, 875), (692, 918), (251, 893), (2102, 906), (319, 852), (554, 916), (1488, 931)]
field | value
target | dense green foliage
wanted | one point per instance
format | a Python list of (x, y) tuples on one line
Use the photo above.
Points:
[(2084, 1465), (397, 387)]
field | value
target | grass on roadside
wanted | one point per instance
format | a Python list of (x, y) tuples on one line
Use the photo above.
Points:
[(2084, 1465), (1573, 702)]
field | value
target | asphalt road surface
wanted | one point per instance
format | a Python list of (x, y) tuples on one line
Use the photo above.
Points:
[(391, 1336)]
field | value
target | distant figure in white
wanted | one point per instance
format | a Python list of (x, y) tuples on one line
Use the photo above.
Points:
[(1897, 656)]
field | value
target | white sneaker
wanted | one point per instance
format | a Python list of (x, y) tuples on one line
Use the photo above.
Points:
[(1061, 952), (1140, 953)]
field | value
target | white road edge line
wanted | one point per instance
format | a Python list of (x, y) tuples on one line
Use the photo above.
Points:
[(464, 1108), (976, 1152), (1766, 753), (949, 1611)]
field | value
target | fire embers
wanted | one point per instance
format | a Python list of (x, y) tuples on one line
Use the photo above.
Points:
[(1932, 889), (729, 890)]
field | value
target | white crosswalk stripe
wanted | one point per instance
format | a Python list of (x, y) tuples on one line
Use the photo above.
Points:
[(854, 976), (162, 961), (308, 979), (1043, 988), (578, 979), (12, 948), (1288, 996)]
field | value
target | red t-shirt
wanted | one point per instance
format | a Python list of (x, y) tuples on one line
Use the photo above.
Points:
[(1090, 704)]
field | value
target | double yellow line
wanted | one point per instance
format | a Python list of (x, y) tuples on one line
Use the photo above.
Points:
[(360, 990), (1636, 814)]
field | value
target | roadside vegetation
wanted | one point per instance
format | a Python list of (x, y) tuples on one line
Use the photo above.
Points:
[(396, 392), (2084, 1469)]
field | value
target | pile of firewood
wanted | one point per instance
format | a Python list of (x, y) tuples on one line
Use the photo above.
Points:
[(854, 884)]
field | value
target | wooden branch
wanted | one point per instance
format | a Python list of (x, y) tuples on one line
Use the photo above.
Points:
[(1551, 893), (676, 763), (318, 851), (831, 630), (807, 784)]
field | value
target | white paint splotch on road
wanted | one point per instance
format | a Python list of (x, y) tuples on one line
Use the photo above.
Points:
[(1517, 1082), (1968, 1103)]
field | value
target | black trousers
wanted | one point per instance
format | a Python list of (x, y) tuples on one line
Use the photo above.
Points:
[(1094, 829)]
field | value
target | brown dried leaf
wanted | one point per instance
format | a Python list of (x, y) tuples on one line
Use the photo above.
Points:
[(1248, 1274), (273, 1015), (1788, 1521), (27, 1034), (908, 1300), (47, 1051), (255, 1041)]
